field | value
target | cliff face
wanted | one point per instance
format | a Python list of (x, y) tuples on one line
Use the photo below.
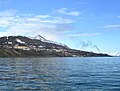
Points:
[(21, 46)]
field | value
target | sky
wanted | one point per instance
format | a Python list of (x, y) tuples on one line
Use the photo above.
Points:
[(90, 25)]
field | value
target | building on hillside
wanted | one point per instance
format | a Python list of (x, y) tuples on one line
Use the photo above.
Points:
[(21, 47)]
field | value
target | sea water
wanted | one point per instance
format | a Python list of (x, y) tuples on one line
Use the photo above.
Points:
[(60, 74)]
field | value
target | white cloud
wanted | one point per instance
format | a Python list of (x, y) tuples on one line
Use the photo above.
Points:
[(82, 3), (74, 13), (5, 1), (12, 23), (8, 13), (118, 16), (65, 11), (62, 10), (112, 26), (84, 34), (43, 16)]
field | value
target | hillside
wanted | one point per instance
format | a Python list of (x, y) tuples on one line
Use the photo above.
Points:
[(21, 46)]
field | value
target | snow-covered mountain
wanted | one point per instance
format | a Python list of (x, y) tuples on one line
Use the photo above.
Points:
[(39, 37), (41, 47), (115, 54), (36, 41)]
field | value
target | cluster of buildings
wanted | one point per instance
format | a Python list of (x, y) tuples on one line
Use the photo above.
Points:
[(25, 46), (37, 48)]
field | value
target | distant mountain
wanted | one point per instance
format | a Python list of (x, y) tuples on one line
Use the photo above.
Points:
[(22, 46), (115, 54)]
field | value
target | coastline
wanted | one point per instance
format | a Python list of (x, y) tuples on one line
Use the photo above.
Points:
[(16, 53)]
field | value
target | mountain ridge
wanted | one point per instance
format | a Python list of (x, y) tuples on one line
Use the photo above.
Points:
[(22, 46)]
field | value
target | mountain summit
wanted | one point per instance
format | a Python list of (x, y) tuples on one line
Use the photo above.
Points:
[(22, 46), (39, 37)]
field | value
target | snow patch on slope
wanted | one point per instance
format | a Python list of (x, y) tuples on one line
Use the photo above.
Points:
[(19, 41), (39, 37)]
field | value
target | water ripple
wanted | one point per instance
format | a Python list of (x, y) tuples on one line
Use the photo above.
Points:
[(60, 74)]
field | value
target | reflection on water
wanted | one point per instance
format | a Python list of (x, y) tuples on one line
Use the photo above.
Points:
[(60, 74)]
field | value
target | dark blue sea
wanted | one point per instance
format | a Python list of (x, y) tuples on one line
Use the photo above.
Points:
[(60, 74)]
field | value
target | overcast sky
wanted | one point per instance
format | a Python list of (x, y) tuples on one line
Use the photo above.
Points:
[(92, 25)]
